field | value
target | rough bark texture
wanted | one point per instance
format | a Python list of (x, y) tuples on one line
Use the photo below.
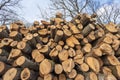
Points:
[(80, 49)]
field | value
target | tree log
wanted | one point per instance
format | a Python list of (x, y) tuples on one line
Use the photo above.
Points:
[(24, 62)]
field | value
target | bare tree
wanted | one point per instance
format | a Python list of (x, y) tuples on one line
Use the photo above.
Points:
[(70, 8), (109, 13), (7, 11)]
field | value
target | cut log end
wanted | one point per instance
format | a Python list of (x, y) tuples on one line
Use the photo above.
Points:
[(25, 74)]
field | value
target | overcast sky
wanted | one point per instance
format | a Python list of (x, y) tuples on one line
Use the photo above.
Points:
[(30, 11)]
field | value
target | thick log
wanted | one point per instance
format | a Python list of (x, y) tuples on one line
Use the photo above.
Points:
[(71, 52), (37, 56), (59, 48), (115, 71), (68, 65), (115, 44), (108, 40), (54, 54), (22, 61), (110, 60), (31, 39), (38, 46), (67, 33), (37, 38), (53, 31), (117, 53), (24, 31), (3, 68), (106, 71), (87, 48), (36, 23), (106, 49), (93, 64), (84, 67), (84, 41), (3, 33), (4, 53), (46, 66), (73, 28), (91, 37), (85, 19), (15, 53), (58, 68), (111, 27), (25, 47), (45, 50), (79, 36), (72, 74), (91, 76), (48, 77), (63, 55), (43, 32), (88, 29), (58, 36), (15, 35), (62, 77), (79, 77), (6, 41), (72, 41), (27, 74), (78, 59), (13, 44), (14, 27), (12, 74), (110, 77)]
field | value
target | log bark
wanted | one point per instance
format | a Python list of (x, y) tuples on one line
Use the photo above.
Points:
[(91, 76), (58, 36), (27, 74), (25, 47), (110, 60), (88, 29), (15, 35), (37, 56), (25, 62), (3, 68), (12, 74)]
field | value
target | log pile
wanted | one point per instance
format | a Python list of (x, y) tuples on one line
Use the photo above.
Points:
[(80, 49)]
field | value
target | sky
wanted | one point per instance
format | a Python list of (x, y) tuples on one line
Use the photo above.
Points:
[(30, 11)]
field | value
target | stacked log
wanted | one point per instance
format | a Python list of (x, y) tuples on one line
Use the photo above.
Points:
[(80, 49)]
